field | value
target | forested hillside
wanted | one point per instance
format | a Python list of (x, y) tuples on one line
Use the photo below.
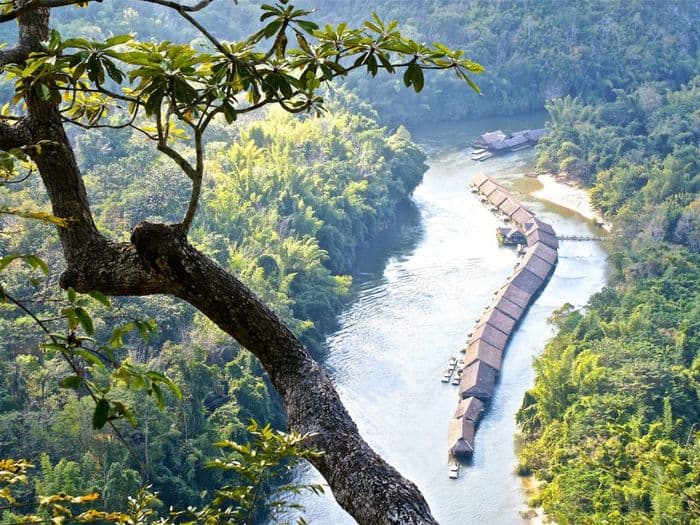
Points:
[(533, 50), (288, 201), (611, 424), (610, 428)]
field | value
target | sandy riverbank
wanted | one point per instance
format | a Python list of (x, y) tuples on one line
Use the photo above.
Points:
[(562, 193)]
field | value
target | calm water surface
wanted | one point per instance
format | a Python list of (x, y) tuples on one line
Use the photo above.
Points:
[(415, 300)]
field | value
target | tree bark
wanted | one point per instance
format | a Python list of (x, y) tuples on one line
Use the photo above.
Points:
[(160, 260)]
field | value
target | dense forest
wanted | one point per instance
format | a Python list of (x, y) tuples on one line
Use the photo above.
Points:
[(610, 425), (534, 51), (289, 200)]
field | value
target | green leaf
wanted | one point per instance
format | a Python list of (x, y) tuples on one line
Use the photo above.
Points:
[(118, 40), (100, 298), (89, 356), (101, 414), (85, 320), (44, 92)]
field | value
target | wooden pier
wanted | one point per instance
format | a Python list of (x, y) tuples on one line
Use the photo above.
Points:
[(580, 238), (487, 341)]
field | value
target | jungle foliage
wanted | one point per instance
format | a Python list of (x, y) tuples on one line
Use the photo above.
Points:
[(534, 50), (611, 426), (287, 203)]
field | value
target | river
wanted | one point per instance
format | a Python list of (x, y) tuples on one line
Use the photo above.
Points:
[(414, 300)]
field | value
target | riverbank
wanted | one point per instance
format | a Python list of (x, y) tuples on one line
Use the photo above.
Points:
[(568, 194)]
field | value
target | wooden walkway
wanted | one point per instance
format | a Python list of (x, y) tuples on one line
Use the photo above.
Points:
[(580, 238), (488, 339)]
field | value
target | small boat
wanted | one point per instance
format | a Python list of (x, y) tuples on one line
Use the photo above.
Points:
[(454, 471), (456, 378), (481, 156), (452, 363), (446, 376), (460, 365)]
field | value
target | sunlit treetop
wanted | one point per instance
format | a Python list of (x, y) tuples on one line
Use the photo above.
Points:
[(171, 91)]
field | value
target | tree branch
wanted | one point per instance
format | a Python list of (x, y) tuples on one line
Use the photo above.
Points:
[(14, 135), (49, 4), (196, 182), (160, 260)]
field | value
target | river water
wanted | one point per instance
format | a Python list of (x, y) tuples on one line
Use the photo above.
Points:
[(416, 297)]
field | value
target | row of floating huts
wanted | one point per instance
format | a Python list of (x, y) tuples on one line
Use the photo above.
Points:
[(498, 143), (489, 338)]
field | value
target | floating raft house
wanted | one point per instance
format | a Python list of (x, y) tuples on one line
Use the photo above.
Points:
[(488, 340), (500, 143)]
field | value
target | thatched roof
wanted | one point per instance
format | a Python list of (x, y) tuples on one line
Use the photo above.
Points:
[(516, 295), (527, 281), (488, 187), (478, 180), (522, 215), (460, 437), (497, 197), (491, 335), (490, 137), (470, 409), (509, 206), (516, 140), (499, 146), (509, 308), (499, 320), (478, 380), (536, 235), (534, 135), (544, 252), (539, 267), (482, 351), (538, 223)]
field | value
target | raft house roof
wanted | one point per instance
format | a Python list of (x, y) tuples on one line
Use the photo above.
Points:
[(497, 197), (539, 267), (488, 187), (509, 308), (499, 146), (460, 437), (537, 223), (544, 252), (534, 135), (516, 295), (491, 137), (482, 351), (516, 141), (499, 320), (509, 206), (522, 215), (478, 380), (478, 180), (470, 409), (527, 281), (491, 335), (536, 235)]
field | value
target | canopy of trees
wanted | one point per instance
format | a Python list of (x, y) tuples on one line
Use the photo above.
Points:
[(611, 426), (280, 224)]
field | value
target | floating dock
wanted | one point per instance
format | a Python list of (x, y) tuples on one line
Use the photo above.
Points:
[(492, 332), (499, 143)]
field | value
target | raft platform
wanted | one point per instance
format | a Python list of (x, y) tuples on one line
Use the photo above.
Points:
[(488, 339)]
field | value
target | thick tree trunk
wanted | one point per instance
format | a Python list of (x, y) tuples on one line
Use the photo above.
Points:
[(159, 260)]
